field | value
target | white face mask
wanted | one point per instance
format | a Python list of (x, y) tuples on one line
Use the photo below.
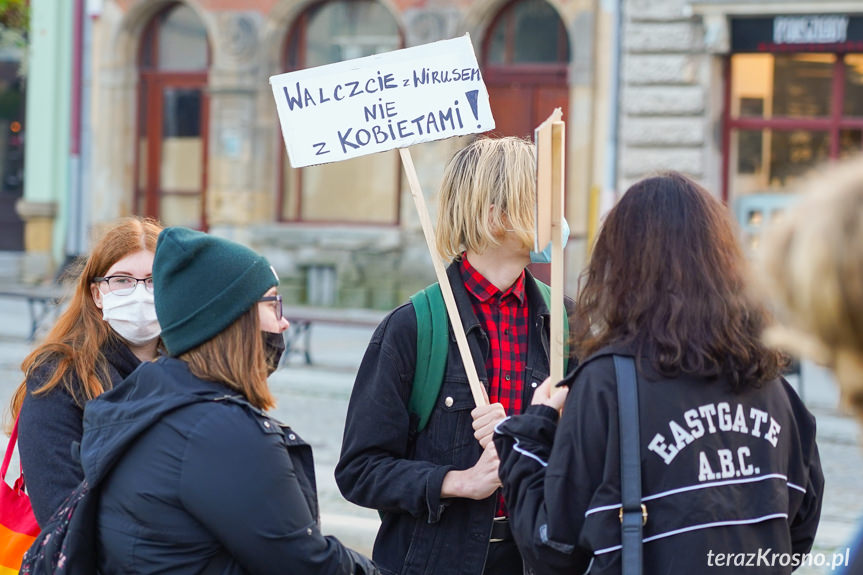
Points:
[(132, 316)]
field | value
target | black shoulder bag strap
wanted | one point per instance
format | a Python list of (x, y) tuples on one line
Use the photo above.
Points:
[(633, 515)]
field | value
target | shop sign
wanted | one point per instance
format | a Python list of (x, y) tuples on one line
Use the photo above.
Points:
[(798, 33)]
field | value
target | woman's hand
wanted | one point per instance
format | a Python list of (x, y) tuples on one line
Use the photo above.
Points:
[(548, 394)]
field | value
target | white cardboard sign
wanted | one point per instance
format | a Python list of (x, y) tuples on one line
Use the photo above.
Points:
[(381, 102)]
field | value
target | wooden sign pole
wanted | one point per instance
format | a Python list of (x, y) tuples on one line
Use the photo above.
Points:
[(558, 132), (550, 138), (476, 387)]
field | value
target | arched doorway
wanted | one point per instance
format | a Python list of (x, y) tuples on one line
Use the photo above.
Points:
[(526, 78), (172, 119), (363, 190)]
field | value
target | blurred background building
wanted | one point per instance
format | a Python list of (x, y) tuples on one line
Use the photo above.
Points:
[(163, 108), (13, 67)]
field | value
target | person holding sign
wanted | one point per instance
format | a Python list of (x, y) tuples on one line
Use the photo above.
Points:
[(432, 472), (728, 459)]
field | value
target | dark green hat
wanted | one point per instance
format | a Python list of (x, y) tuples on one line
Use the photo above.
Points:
[(202, 284)]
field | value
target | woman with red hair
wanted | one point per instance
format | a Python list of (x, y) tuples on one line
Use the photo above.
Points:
[(108, 328)]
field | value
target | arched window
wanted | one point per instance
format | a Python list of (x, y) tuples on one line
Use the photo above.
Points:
[(525, 60), (361, 190), (172, 119)]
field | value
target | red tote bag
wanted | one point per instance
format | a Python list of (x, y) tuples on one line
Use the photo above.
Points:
[(18, 527)]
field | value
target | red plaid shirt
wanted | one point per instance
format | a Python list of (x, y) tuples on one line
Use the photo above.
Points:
[(504, 317)]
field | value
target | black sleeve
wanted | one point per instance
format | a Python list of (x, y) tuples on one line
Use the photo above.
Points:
[(374, 469), (805, 523), (48, 425), (550, 473), (242, 486)]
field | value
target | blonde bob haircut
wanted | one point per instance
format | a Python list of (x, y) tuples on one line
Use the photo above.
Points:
[(812, 262), (488, 187)]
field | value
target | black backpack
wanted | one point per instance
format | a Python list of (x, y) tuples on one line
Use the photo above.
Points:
[(67, 543)]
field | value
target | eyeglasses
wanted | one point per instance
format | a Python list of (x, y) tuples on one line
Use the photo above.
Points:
[(123, 285), (278, 304)]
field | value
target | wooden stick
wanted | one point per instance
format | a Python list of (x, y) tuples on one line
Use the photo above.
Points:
[(558, 132), (542, 138), (476, 387)]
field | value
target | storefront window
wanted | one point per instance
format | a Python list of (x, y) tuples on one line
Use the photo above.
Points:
[(853, 85), (804, 85), (361, 190), (850, 142), (787, 113)]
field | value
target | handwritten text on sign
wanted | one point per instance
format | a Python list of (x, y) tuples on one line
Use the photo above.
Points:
[(381, 102)]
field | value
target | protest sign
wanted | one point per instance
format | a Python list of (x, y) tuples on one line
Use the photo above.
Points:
[(381, 102), (550, 138)]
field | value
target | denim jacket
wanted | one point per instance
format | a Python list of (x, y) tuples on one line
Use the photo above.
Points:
[(386, 465)]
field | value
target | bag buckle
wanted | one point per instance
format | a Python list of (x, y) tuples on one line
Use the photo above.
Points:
[(643, 514)]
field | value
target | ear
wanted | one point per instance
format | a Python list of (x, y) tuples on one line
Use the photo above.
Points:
[(498, 224), (97, 295)]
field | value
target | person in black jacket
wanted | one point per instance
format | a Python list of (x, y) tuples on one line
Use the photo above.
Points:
[(812, 259), (729, 463), (108, 328), (437, 489), (193, 476)]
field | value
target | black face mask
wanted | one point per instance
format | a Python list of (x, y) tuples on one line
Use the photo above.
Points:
[(274, 347)]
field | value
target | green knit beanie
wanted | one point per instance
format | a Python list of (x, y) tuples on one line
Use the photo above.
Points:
[(202, 284)]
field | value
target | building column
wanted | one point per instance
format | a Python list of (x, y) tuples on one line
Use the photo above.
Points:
[(46, 158), (235, 195)]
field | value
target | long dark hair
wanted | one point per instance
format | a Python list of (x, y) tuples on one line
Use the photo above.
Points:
[(667, 275)]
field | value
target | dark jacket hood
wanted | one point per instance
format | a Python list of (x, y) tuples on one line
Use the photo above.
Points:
[(116, 418)]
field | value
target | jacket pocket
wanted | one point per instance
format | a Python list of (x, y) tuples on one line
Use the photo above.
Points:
[(450, 426), (421, 556)]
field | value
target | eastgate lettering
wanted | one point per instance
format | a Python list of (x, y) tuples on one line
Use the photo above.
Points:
[(712, 418)]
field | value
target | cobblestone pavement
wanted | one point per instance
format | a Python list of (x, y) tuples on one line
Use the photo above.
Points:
[(313, 400)]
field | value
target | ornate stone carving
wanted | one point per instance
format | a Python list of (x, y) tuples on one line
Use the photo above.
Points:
[(430, 25), (240, 36)]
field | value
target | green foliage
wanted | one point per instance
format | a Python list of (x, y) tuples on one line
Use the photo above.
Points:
[(15, 14)]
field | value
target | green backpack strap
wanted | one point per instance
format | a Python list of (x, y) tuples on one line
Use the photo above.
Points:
[(433, 347), (432, 350), (545, 290)]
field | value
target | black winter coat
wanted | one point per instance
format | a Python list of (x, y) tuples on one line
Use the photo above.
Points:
[(387, 466), (50, 423), (723, 472), (197, 480)]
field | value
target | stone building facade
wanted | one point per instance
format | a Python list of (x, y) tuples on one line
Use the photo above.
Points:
[(330, 247), (745, 96)]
